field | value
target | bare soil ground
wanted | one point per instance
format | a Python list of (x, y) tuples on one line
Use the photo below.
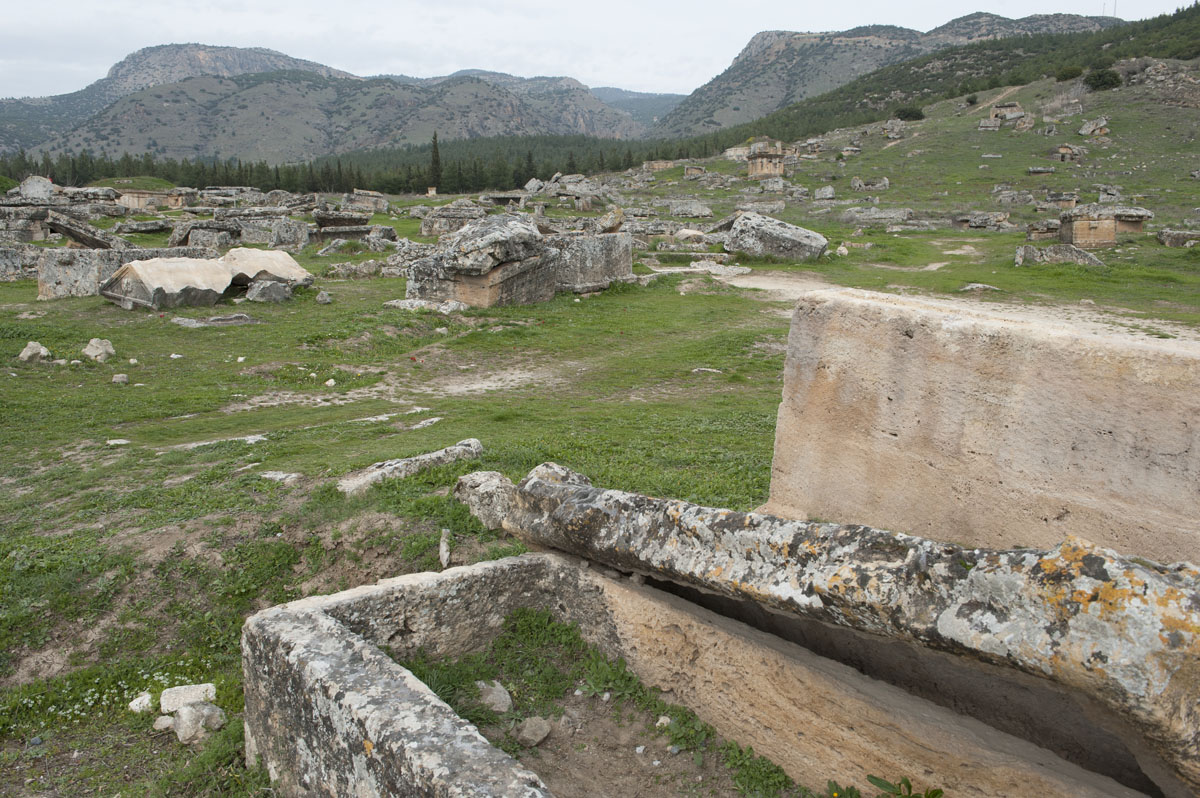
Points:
[(592, 752)]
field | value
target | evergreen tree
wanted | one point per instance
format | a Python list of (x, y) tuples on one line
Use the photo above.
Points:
[(435, 163)]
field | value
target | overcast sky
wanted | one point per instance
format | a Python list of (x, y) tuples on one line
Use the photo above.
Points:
[(642, 45)]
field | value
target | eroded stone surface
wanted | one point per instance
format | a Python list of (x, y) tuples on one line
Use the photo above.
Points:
[(1124, 631)]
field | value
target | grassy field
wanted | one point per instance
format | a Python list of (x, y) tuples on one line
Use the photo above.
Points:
[(132, 566)]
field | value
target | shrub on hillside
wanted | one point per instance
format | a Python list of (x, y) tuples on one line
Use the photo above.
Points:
[(1068, 73), (1099, 79), (6, 183), (909, 113)]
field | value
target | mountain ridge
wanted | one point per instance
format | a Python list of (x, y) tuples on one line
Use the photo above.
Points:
[(778, 68)]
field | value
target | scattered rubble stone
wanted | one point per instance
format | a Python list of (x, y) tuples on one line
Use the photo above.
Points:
[(358, 482), (531, 731), (194, 722), (33, 353), (141, 703), (493, 696), (172, 698), (99, 349), (323, 298)]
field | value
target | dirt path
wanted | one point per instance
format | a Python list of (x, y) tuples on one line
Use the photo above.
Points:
[(998, 98), (779, 286), (790, 286)]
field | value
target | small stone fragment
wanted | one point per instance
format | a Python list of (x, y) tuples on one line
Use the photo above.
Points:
[(531, 731), (444, 548), (641, 749), (141, 703), (663, 721), (99, 349), (120, 379), (193, 722), (329, 383), (33, 353), (175, 697), (164, 722), (493, 696), (175, 356), (324, 298), (117, 442)]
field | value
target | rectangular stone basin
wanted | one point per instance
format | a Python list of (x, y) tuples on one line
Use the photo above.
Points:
[(329, 713)]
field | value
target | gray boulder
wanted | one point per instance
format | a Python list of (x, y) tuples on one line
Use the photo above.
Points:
[(760, 235), (194, 722), (824, 193), (33, 353), (99, 349), (493, 696), (1177, 238), (268, 291)]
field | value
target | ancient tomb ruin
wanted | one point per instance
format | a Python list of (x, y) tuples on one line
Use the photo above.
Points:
[(836, 649), (506, 260)]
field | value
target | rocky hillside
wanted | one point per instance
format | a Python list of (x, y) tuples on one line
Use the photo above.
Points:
[(32, 120), (289, 116), (778, 68)]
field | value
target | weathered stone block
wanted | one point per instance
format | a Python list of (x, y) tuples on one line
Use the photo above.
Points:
[(591, 262), (80, 272), (958, 422)]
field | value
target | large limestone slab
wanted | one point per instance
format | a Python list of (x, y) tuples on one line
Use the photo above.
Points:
[(1123, 632), (960, 423)]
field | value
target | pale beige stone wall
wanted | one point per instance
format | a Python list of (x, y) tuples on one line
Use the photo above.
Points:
[(956, 422)]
